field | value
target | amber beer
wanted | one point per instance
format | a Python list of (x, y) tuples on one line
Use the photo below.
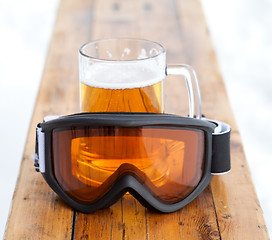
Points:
[(110, 90), (144, 99)]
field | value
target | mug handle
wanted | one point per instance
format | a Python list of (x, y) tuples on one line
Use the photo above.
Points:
[(192, 86)]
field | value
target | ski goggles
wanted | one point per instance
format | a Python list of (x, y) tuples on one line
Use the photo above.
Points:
[(165, 161)]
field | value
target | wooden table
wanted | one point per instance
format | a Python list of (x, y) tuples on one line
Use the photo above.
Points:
[(227, 209)]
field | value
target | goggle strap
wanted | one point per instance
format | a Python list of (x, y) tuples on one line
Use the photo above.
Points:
[(221, 163), (39, 161)]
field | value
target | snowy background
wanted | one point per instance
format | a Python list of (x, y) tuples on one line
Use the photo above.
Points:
[(242, 36)]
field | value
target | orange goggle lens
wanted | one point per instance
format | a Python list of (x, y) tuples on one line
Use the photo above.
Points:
[(167, 161)]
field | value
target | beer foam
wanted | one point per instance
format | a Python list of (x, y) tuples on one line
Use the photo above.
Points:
[(122, 75)]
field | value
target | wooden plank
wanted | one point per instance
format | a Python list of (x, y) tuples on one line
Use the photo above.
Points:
[(102, 224), (195, 221), (134, 219), (37, 213), (124, 220), (178, 24), (150, 19), (237, 207)]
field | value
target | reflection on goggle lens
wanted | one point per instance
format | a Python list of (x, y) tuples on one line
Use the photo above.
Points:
[(167, 161)]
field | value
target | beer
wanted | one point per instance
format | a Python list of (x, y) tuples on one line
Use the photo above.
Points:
[(122, 88)]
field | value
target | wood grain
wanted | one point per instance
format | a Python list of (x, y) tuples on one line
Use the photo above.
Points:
[(37, 213), (237, 207), (227, 209)]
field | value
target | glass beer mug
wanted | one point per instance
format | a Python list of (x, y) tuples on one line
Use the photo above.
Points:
[(126, 75)]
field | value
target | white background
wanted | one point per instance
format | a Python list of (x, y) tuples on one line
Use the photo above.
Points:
[(242, 36)]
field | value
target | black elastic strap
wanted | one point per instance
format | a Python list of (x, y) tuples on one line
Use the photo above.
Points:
[(221, 148)]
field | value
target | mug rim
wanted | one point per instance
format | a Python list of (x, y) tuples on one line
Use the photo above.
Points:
[(81, 50)]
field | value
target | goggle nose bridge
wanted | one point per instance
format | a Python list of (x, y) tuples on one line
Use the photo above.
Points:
[(128, 184)]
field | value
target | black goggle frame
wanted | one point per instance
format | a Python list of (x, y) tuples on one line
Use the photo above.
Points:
[(217, 154)]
